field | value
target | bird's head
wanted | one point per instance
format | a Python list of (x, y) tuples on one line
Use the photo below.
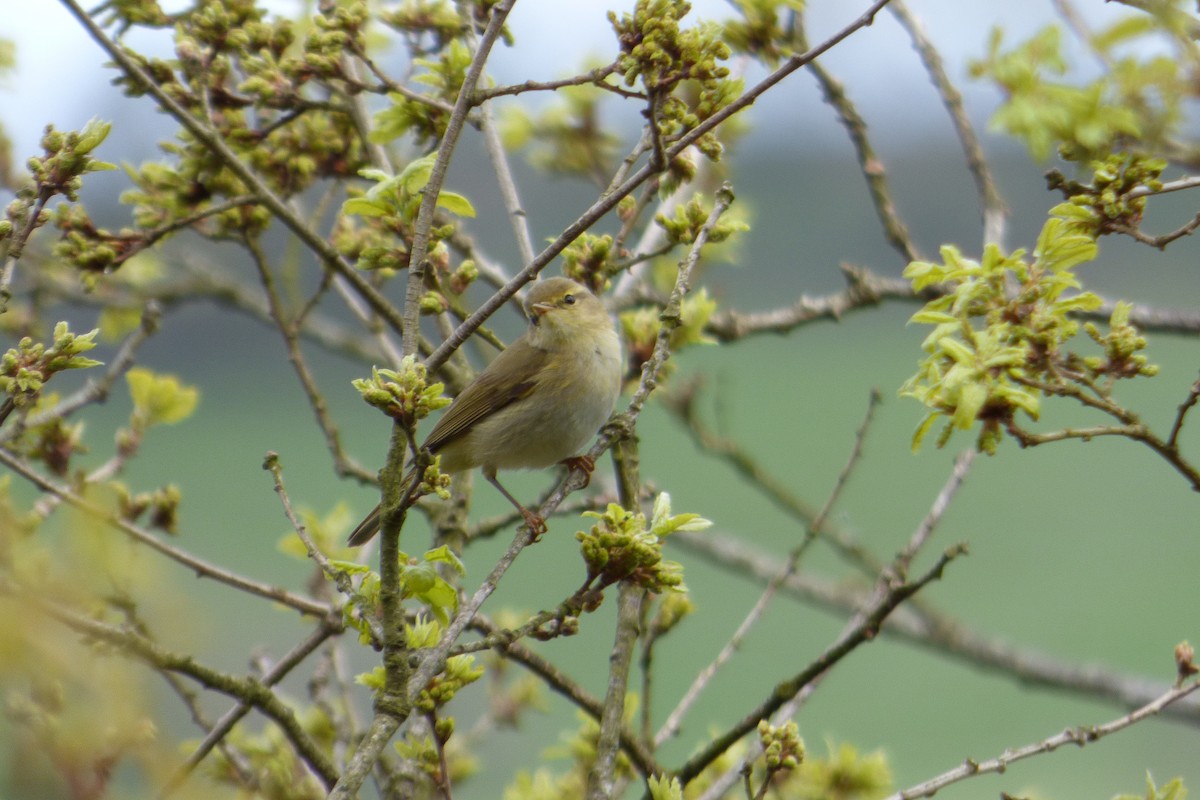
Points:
[(560, 306)]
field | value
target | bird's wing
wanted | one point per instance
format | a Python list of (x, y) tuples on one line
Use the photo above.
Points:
[(502, 383)]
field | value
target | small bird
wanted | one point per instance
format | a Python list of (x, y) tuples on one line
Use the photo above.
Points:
[(539, 402)]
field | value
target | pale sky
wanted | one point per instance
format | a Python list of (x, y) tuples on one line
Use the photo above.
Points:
[(552, 37)]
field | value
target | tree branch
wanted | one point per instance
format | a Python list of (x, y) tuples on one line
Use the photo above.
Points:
[(1078, 736)]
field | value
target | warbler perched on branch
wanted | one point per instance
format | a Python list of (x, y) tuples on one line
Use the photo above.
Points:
[(539, 402)]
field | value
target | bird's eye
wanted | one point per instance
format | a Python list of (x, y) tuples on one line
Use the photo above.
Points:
[(569, 299)]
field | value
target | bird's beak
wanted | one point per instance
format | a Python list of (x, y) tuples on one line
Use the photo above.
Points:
[(539, 310)]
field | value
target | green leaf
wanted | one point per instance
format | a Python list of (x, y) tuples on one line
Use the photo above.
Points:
[(373, 174), (1084, 301), (414, 176), (664, 788), (456, 204), (444, 555), (970, 402), (956, 350), (93, 133), (922, 430), (364, 207), (931, 317), (160, 399)]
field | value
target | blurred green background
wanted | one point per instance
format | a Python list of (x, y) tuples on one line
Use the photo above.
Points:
[(1085, 552)]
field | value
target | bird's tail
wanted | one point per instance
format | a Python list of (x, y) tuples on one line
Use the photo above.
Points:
[(367, 529)]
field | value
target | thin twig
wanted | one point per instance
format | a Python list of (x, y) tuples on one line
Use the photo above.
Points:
[(944, 636), (610, 198), (704, 677), (867, 289), (602, 776), (1160, 242), (329, 626), (864, 631), (1178, 185), (595, 77), (995, 210), (1078, 736), (434, 658), (202, 568), (250, 690), (638, 753), (187, 696), (289, 330), (340, 577), (893, 575), (211, 139), (13, 246), (869, 163), (941, 503), (1184, 407), (96, 391), (437, 175), (508, 185), (681, 403)]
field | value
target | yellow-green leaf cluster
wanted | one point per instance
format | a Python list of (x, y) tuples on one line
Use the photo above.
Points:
[(1122, 345), (24, 369), (665, 57), (1138, 98), (400, 195), (426, 120), (327, 533), (1115, 200), (1171, 790), (760, 30), (621, 546), (997, 331), (844, 773), (405, 394), (663, 787), (640, 327), (569, 137), (689, 218)]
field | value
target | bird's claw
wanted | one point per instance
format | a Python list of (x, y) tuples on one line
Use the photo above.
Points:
[(586, 464), (537, 525)]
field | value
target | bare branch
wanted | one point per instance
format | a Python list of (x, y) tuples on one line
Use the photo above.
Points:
[(869, 163), (212, 140), (637, 751), (248, 690), (1079, 736), (602, 776), (704, 677), (610, 198), (918, 624), (995, 210), (870, 623), (437, 176), (277, 673), (202, 568)]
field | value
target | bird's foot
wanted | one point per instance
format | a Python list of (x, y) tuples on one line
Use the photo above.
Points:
[(584, 463)]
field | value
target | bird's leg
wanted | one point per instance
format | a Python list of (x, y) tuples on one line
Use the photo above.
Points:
[(584, 463), (537, 525)]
